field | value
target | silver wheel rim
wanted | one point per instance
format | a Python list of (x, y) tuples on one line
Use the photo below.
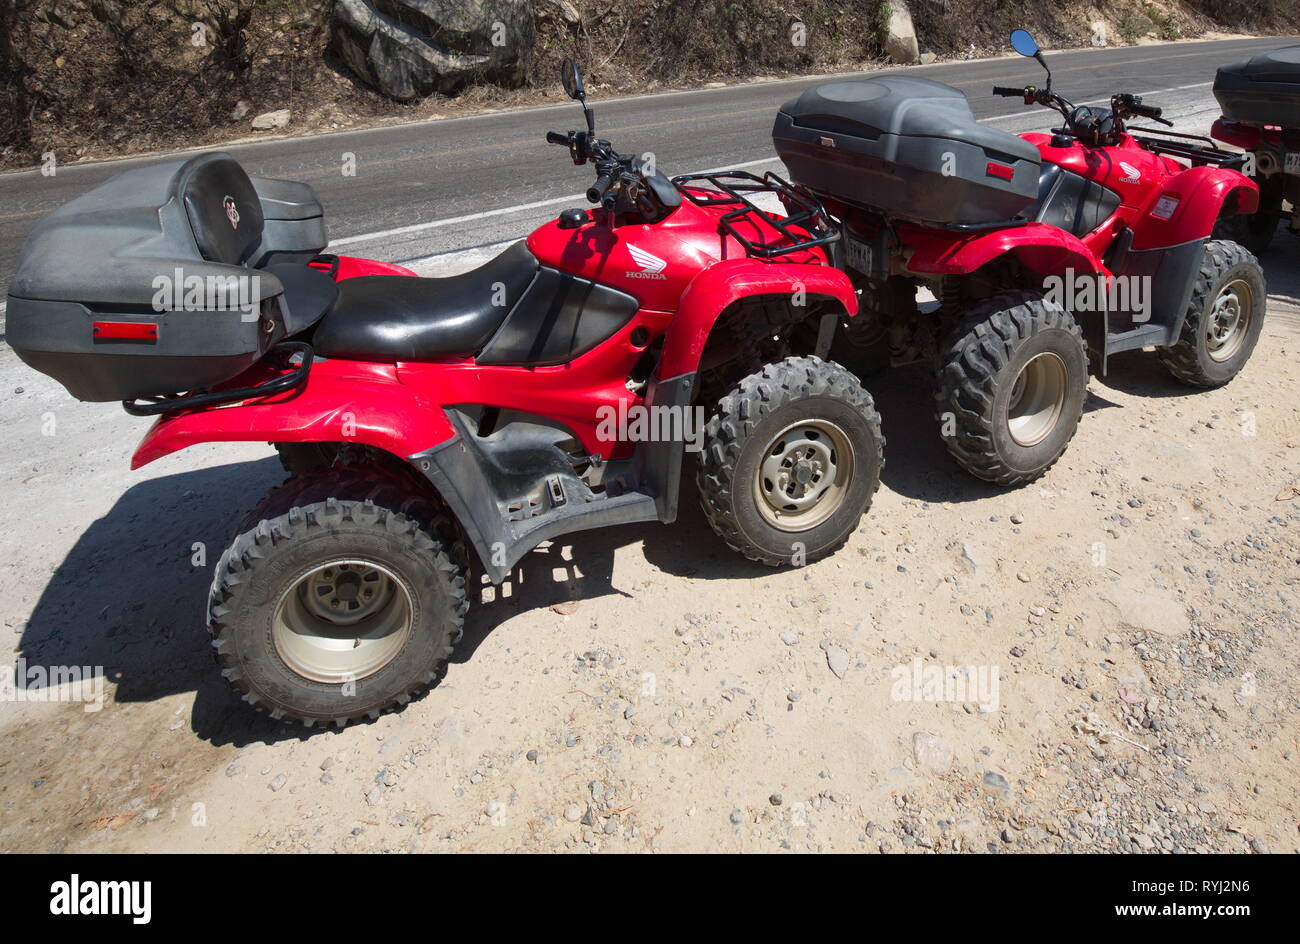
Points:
[(1037, 399), (342, 621), (1225, 330), (804, 475)]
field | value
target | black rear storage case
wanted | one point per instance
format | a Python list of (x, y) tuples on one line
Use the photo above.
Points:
[(907, 147), (1264, 91), (150, 284)]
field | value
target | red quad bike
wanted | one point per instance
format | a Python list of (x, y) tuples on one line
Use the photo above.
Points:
[(1040, 248), (438, 427), (1260, 99)]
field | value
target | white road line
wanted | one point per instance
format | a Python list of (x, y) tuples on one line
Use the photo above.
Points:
[(471, 217)]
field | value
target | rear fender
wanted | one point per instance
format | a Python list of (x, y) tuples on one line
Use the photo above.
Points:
[(1246, 137), (723, 284), (1043, 250), (1198, 195), (342, 401)]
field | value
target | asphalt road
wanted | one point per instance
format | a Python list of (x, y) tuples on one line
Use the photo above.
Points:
[(471, 183)]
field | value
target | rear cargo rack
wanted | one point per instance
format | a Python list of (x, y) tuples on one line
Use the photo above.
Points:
[(806, 226), (153, 406), (1184, 147)]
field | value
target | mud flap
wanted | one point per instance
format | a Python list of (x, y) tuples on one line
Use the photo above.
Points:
[(510, 492)]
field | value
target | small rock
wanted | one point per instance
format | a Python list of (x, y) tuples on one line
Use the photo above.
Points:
[(271, 120)]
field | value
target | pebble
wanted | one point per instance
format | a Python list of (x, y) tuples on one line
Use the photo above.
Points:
[(737, 817), (573, 812)]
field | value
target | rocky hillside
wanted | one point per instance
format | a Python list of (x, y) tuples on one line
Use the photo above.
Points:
[(90, 78)]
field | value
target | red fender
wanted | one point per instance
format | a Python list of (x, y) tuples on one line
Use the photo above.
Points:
[(342, 401), (718, 286), (1043, 250), (1246, 137), (1200, 193)]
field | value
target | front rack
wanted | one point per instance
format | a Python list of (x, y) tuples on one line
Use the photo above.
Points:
[(1184, 147), (806, 226), (286, 351)]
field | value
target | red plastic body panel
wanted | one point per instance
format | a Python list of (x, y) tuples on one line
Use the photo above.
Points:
[(681, 271), (1139, 177), (350, 267), (1200, 192), (727, 282), (342, 401), (1246, 137), (1042, 249)]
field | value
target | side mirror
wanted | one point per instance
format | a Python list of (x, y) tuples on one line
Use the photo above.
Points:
[(1023, 43), (572, 79)]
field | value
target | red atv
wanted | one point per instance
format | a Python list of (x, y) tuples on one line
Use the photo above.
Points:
[(1040, 249), (1260, 99), (438, 426)]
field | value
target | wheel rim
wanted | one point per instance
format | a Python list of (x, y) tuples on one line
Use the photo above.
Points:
[(342, 621), (1229, 320), (804, 475), (1037, 399)]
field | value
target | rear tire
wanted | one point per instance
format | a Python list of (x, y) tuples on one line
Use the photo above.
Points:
[(791, 458), (1225, 316), (1254, 230), (341, 598), (862, 342), (1012, 381)]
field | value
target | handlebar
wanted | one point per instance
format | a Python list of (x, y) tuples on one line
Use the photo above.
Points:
[(598, 190), (554, 137), (1007, 92)]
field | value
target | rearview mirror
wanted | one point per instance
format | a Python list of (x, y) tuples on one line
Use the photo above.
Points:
[(572, 79), (1023, 43)]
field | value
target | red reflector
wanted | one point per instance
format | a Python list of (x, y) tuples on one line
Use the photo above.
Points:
[(125, 331), (998, 170)]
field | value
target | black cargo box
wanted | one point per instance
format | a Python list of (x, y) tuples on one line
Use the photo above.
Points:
[(1263, 91), (154, 282), (908, 147)]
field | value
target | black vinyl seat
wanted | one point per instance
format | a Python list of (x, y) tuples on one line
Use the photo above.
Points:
[(396, 317)]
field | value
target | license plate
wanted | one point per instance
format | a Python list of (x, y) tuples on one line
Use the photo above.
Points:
[(1292, 163), (859, 255)]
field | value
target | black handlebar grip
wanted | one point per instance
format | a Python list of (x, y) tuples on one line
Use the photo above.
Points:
[(602, 184), (1151, 111), (1008, 92), (554, 137)]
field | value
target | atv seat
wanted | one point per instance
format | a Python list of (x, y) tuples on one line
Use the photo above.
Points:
[(396, 317)]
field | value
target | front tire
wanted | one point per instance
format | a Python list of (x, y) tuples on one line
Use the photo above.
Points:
[(1011, 386), (341, 599), (1224, 318), (790, 460)]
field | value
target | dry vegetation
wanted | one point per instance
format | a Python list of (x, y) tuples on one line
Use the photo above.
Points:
[(89, 78)]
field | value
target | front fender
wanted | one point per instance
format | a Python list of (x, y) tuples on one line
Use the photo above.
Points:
[(1200, 193), (725, 283), (1043, 250), (342, 401)]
